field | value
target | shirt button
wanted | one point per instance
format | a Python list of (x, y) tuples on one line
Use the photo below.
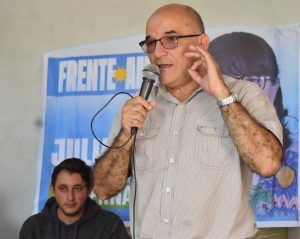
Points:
[(176, 132), (168, 190), (172, 160), (166, 221)]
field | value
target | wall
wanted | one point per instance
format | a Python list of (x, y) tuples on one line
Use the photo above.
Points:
[(29, 28)]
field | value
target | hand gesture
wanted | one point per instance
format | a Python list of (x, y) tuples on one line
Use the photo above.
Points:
[(206, 72)]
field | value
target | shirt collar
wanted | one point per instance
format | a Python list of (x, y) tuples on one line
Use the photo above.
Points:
[(160, 89)]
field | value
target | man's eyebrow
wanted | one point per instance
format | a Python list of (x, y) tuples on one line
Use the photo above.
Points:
[(167, 32), (62, 185), (72, 186), (170, 32), (79, 185)]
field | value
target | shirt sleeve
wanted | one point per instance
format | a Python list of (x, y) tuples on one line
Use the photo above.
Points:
[(258, 105)]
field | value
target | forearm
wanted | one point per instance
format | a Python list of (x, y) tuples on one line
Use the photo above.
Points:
[(257, 146), (111, 169)]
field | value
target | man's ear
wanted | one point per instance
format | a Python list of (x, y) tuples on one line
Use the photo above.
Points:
[(204, 41)]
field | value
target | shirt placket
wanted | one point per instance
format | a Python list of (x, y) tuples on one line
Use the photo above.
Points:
[(170, 173)]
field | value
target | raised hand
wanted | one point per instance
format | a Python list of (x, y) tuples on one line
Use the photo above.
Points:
[(206, 72)]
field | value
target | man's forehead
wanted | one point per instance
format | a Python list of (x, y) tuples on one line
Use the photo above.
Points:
[(70, 185), (163, 24), (67, 177), (166, 18), (168, 32), (168, 26)]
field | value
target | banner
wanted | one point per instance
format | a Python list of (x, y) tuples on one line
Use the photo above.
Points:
[(81, 80)]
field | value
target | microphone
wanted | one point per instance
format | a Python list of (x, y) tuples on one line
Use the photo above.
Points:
[(150, 75)]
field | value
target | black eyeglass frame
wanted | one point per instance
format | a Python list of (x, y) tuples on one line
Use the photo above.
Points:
[(144, 46)]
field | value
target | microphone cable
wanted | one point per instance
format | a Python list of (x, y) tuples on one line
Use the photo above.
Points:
[(135, 187), (92, 121), (132, 160)]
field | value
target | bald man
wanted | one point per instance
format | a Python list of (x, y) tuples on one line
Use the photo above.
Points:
[(199, 138)]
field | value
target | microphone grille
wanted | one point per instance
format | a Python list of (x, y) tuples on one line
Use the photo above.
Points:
[(151, 71)]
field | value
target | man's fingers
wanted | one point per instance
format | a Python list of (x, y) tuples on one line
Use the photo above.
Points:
[(135, 112)]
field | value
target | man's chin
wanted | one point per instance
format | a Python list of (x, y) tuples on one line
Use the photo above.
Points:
[(71, 212), (164, 79)]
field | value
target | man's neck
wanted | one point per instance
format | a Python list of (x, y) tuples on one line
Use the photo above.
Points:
[(184, 92)]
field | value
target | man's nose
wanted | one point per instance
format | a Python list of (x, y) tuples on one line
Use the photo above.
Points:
[(70, 195)]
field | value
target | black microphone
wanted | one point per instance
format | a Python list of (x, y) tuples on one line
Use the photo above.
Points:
[(150, 75)]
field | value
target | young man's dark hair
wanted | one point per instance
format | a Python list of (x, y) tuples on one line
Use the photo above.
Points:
[(74, 165), (71, 213)]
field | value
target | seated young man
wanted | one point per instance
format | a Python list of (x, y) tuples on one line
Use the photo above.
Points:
[(70, 213)]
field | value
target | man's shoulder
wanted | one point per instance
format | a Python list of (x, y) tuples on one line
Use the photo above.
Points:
[(102, 213), (108, 216), (33, 225), (100, 220), (35, 220), (244, 89)]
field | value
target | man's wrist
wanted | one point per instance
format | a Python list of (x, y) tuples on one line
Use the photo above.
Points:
[(232, 98), (124, 139)]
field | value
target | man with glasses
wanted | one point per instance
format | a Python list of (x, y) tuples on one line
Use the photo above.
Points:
[(200, 136)]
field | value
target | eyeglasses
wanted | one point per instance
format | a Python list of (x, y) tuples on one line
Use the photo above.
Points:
[(258, 80), (168, 42)]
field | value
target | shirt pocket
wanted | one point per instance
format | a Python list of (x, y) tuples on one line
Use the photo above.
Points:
[(214, 148), (145, 149)]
